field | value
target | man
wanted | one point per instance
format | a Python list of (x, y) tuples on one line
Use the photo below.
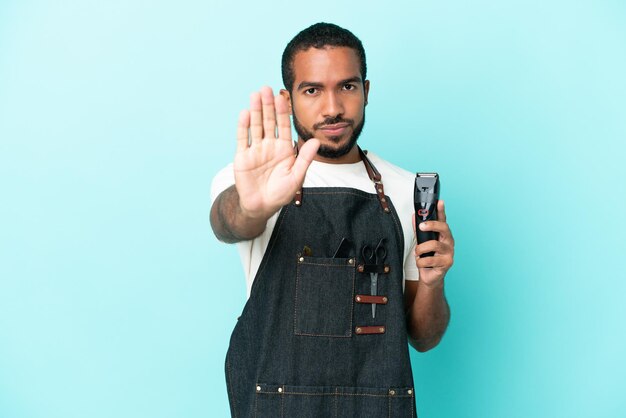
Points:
[(335, 280)]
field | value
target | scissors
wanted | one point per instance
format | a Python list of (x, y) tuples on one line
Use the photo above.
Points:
[(375, 256)]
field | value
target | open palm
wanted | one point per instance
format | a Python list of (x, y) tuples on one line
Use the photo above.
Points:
[(267, 172)]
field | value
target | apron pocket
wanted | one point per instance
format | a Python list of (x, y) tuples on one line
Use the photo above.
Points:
[(324, 298), (330, 401)]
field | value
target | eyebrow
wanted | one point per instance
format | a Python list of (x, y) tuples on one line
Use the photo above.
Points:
[(310, 84)]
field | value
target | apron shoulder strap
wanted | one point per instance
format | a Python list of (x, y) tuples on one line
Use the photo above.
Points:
[(376, 178)]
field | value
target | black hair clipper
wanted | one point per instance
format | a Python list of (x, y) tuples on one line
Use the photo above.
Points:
[(425, 198)]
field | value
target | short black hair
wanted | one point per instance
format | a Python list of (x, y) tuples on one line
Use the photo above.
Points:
[(318, 36)]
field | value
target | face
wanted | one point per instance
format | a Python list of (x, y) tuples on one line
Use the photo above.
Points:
[(328, 98)]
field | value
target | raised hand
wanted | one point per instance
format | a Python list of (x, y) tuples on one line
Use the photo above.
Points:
[(267, 172)]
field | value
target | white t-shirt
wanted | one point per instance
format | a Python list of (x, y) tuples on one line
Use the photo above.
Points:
[(398, 184)]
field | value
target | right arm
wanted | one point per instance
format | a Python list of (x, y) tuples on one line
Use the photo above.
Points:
[(267, 172), (230, 224)]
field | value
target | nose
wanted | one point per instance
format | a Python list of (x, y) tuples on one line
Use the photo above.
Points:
[(333, 106)]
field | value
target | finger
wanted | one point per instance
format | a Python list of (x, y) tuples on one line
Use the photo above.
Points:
[(242, 130), (428, 246), (445, 235), (440, 261), (269, 112), (441, 211), (426, 262), (435, 226), (282, 118), (438, 247), (256, 118), (305, 155)]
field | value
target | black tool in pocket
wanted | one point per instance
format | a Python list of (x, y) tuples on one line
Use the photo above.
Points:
[(344, 250)]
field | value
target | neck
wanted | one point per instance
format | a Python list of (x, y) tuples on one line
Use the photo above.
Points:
[(351, 157)]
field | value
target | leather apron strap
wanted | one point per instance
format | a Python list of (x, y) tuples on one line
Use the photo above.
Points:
[(373, 174)]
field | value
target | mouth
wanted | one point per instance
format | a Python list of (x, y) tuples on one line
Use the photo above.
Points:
[(335, 129)]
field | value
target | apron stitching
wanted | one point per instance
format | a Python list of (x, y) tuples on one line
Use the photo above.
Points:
[(352, 299), (282, 406), (307, 394), (389, 397), (369, 394), (363, 194), (325, 265), (295, 306), (332, 394), (336, 401), (369, 197), (326, 335), (337, 394)]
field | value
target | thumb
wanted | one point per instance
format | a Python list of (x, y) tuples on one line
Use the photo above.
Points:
[(305, 155), (441, 211)]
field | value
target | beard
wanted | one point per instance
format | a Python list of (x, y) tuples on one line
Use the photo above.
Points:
[(325, 150)]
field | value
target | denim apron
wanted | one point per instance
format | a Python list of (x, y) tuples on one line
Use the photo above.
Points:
[(306, 344)]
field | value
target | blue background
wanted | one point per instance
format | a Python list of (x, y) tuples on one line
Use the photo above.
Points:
[(117, 301)]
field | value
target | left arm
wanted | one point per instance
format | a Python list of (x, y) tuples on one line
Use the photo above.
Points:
[(427, 310)]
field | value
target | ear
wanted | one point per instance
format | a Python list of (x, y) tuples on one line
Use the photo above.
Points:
[(366, 89), (287, 96)]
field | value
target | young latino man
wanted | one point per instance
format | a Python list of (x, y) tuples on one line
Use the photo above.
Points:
[(336, 284)]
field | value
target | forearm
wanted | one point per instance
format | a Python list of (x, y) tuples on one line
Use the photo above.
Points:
[(230, 224), (428, 317)]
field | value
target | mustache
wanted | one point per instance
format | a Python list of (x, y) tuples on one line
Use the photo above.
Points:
[(333, 121)]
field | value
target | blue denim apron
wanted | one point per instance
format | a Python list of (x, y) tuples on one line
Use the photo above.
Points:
[(306, 344)]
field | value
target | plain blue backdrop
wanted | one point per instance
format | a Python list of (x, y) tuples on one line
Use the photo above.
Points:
[(117, 301)]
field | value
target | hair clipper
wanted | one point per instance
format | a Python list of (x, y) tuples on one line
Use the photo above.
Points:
[(425, 198)]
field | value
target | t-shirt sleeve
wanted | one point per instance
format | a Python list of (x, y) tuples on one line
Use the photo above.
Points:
[(410, 269), (222, 181)]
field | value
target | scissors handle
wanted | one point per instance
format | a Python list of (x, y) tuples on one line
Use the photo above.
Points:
[(375, 255), (368, 254), (381, 251)]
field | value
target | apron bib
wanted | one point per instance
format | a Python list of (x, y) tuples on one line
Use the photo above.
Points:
[(306, 344)]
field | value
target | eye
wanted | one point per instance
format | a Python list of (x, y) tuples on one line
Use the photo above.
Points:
[(349, 86), (310, 91)]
